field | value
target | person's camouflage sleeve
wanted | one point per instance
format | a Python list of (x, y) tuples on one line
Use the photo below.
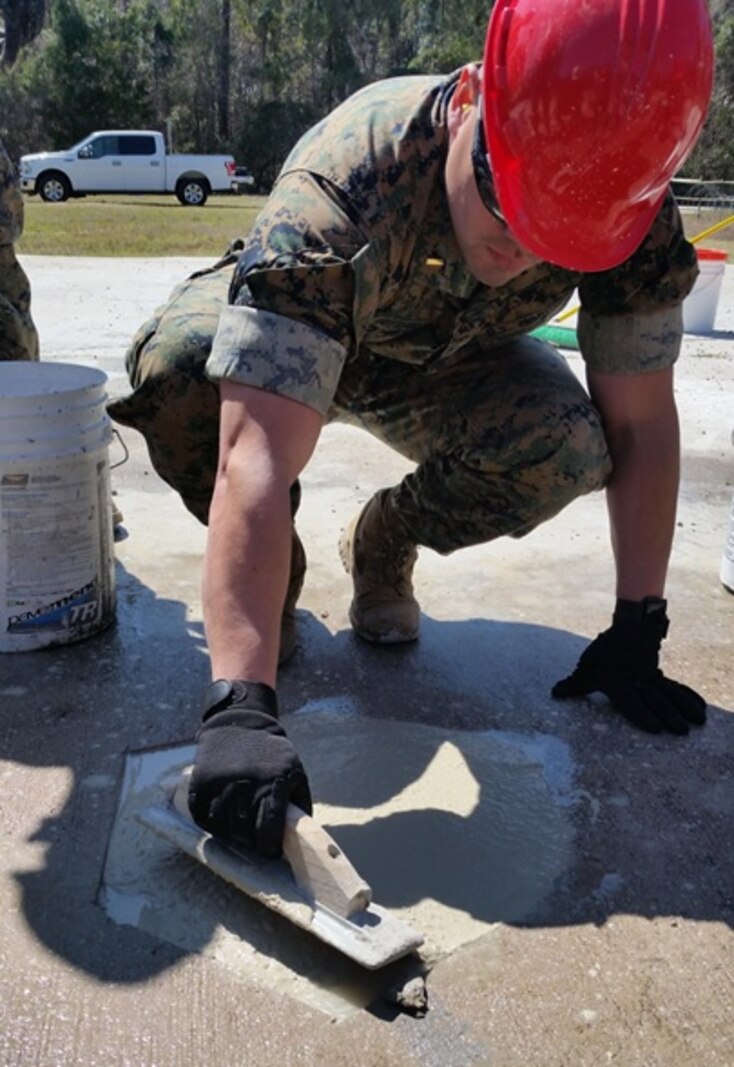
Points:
[(291, 326), (18, 338), (631, 319)]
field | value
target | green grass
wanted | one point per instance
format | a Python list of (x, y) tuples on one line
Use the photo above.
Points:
[(160, 226), (135, 226)]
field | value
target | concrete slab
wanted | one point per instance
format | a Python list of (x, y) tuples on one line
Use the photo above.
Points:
[(622, 955)]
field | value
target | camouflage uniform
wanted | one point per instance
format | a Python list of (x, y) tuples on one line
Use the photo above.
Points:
[(18, 338), (351, 296)]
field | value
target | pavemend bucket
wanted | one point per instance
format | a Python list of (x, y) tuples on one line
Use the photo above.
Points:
[(726, 572), (699, 307), (56, 540)]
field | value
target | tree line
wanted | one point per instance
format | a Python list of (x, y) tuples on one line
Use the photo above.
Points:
[(247, 76)]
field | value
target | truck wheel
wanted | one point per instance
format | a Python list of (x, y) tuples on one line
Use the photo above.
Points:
[(54, 187), (192, 192)]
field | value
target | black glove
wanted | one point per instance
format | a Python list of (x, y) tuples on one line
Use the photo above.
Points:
[(622, 663), (245, 768)]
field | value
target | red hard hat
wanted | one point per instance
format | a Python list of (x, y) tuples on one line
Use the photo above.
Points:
[(590, 107)]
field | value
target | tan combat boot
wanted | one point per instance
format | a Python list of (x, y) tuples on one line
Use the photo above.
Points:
[(295, 585), (380, 558)]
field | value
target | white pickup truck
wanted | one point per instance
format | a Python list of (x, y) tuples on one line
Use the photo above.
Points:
[(124, 161)]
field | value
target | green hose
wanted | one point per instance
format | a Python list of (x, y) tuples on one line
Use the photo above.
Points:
[(560, 336)]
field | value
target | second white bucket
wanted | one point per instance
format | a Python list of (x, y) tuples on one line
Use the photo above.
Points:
[(726, 572), (57, 578), (699, 307)]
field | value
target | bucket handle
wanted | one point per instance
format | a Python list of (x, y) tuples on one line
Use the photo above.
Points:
[(125, 449)]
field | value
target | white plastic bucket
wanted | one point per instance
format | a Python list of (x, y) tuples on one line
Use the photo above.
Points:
[(699, 307), (57, 577), (727, 560)]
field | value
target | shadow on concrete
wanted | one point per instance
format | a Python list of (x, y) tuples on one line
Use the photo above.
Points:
[(716, 335), (79, 708), (648, 828)]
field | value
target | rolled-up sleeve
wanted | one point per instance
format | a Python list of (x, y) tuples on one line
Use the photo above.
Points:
[(276, 353), (289, 327), (631, 344), (631, 319)]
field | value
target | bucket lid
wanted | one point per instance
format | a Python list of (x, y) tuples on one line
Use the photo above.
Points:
[(711, 253), (22, 379)]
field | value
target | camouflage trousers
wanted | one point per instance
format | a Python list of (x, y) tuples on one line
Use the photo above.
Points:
[(18, 338), (502, 439)]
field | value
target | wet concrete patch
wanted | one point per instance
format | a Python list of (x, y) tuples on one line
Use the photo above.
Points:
[(455, 831)]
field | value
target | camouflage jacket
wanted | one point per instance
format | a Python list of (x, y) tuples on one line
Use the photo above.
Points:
[(18, 339), (355, 250)]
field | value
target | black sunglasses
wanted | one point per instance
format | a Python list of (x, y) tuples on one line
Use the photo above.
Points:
[(482, 173)]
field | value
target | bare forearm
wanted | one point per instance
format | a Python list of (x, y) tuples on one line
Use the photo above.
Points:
[(246, 570), (641, 427), (641, 498), (265, 442)]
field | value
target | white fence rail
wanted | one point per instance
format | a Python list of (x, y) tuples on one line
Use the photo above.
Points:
[(692, 194)]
